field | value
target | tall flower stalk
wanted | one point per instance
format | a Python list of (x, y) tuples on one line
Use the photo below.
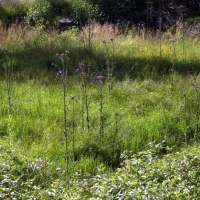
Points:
[(63, 75), (110, 69), (85, 79), (8, 70), (197, 89), (73, 118), (184, 95), (99, 80)]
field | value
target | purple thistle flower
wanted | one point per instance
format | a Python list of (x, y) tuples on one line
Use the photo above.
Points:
[(72, 97), (184, 94), (5, 52), (81, 64), (104, 41), (100, 77), (68, 59), (195, 78), (106, 63), (59, 73), (111, 39), (173, 41), (57, 54), (77, 70), (67, 51), (88, 65), (62, 54), (1, 60), (83, 74), (52, 63), (160, 19)]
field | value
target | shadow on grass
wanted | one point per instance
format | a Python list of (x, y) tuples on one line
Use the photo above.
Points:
[(38, 60)]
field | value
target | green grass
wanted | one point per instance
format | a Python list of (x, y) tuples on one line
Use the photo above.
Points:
[(144, 105), (147, 111)]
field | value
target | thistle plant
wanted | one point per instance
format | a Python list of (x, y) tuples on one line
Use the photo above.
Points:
[(116, 124), (84, 84), (8, 71), (110, 69), (62, 74), (184, 95), (73, 133), (197, 89), (99, 81)]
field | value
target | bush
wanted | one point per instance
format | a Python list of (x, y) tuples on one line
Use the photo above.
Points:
[(12, 13), (80, 12), (40, 15)]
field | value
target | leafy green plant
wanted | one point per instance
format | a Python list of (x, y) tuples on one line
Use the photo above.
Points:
[(41, 14), (12, 12)]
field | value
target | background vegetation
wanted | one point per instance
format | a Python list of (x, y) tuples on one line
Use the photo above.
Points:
[(97, 113)]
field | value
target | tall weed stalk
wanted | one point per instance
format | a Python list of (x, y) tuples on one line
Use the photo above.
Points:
[(63, 76)]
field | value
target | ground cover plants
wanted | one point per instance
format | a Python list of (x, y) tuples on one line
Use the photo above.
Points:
[(79, 108)]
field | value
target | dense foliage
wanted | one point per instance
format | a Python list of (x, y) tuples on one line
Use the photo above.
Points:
[(122, 12), (146, 175), (148, 12)]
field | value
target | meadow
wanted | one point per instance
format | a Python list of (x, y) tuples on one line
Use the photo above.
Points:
[(97, 113)]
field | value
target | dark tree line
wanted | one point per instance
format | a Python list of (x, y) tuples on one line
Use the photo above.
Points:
[(121, 12), (148, 12)]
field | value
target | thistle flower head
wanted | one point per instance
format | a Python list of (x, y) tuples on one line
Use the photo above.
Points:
[(72, 97), (57, 54), (111, 39), (59, 73), (81, 64), (77, 70), (184, 95), (82, 74), (159, 19), (100, 77), (104, 41)]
